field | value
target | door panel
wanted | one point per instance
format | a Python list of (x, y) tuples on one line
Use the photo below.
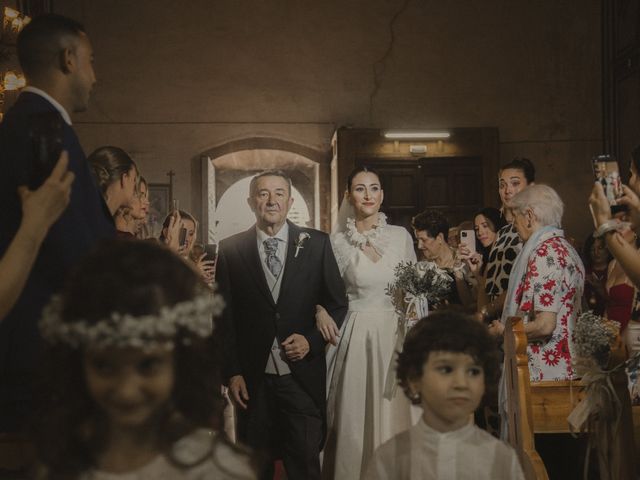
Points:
[(452, 186)]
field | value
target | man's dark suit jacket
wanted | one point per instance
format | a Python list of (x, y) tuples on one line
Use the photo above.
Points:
[(252, 319), (84, 222)]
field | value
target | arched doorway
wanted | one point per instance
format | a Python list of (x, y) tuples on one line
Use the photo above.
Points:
[(231, 217), (227, 172)]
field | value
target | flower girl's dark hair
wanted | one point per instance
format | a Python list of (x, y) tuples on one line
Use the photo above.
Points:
[(452, 331), (358, 170), (138, 278)]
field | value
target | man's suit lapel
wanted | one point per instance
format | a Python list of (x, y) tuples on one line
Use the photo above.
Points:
[(292, 264), (249, 253)]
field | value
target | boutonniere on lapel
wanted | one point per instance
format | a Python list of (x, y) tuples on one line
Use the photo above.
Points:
[(300, 242)]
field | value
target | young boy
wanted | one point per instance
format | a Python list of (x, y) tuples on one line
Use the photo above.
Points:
[(447, 363)]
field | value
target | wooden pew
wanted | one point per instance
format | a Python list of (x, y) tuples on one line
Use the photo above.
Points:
[(543, 407), (519, 407)]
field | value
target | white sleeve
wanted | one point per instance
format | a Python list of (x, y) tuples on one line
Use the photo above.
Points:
[(409, 250)]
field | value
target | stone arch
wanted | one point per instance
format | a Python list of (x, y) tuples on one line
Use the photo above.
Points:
[(227, 169)]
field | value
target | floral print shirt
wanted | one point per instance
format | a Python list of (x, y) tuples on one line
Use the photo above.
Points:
[(553, 282)]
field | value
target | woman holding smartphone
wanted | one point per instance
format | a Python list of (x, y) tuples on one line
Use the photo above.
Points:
[(179, 231), (487, 223)]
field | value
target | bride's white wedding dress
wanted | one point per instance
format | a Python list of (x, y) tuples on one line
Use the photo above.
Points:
[(364, 408)]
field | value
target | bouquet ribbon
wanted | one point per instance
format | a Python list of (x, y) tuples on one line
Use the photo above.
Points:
[(420, 306), (599, 414)]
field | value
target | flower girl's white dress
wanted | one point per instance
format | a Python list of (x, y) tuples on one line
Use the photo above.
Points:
[(364, 407)]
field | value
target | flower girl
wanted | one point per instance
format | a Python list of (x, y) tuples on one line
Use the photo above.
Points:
[(132, 370)]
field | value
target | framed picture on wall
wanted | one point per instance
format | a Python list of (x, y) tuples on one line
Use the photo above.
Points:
[(159, 202)]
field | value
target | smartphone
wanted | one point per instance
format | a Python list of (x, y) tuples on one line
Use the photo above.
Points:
[(468, 239), (211, 249), (46, 134), (607, 172), (182, 236)]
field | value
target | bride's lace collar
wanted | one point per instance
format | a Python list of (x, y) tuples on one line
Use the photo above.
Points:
[(372, 237)]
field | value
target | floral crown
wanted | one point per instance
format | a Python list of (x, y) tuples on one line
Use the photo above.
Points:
[(125, 330)]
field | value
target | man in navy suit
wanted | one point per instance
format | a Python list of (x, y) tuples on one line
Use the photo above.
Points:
[(57, 59), (273, 276)]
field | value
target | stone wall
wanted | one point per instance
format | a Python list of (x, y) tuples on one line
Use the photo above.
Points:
[(176, 79)]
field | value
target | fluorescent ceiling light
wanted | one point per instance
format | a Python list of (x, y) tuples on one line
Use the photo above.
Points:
[(402, 134)]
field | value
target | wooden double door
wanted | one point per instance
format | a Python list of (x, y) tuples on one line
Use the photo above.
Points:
[(450, 185)]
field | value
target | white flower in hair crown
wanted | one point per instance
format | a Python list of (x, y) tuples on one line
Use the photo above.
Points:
[(194, 317), (300, 242)]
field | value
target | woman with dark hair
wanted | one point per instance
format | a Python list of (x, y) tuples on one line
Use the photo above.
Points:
[(431, 229), (363, 407), (487, 223), (596, 258), (116, 175), (513, 177), (133, 374)]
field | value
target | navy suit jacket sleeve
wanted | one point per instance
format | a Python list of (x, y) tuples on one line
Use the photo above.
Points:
[(227, 325), (334, 298)]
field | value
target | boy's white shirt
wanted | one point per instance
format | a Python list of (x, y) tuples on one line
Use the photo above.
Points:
[(424, 453)]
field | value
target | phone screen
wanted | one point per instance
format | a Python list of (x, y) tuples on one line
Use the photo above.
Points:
[(607, 173), (211, 249), (45, 132), (182, 239)]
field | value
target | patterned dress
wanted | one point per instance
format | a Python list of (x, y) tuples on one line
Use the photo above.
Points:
[(553, 282), (501, 257)]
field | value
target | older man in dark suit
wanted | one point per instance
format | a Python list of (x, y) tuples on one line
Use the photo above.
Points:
[(273, 276), (56, 57)]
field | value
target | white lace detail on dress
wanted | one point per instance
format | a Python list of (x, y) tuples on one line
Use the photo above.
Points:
[(374, 237), (346, 243)]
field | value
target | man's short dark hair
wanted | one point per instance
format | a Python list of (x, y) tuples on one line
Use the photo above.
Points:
[(269, 173), (524, 165), (448, 330), (41, 40), (432, 222)]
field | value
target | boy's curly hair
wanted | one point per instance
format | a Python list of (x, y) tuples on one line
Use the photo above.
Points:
[(451, 331)]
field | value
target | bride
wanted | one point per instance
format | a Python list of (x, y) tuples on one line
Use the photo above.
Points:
[(364, 409)]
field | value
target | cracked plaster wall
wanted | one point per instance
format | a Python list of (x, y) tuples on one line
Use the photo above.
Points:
[(178, 78)]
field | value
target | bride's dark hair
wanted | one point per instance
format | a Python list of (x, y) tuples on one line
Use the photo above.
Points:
[(357, 170)]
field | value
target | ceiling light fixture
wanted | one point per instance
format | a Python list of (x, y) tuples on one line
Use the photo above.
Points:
[(414, 134)]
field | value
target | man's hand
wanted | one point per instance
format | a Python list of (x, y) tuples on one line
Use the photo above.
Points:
[(296, 347), (328, 328), (238, 389)]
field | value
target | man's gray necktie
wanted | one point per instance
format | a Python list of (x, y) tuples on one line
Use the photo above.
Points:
[(273, 262)]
